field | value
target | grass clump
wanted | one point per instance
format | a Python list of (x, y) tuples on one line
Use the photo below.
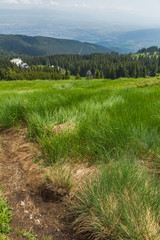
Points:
[(27, 234), (61, 176), (122, 203), (5, 217)]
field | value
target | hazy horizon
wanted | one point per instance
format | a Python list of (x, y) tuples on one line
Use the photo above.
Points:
[(113, 15), (99, 22)]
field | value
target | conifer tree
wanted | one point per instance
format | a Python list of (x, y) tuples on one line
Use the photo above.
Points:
[(67, 74)]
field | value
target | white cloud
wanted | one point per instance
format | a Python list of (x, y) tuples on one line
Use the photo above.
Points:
[(53, 3), (30, 2), (10, 1)]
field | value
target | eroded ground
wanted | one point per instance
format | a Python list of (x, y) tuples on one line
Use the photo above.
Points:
[(28, 192)]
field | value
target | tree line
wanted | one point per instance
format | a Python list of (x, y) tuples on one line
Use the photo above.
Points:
[(110, 66), (9, 71), (151, 50), (98, 66)]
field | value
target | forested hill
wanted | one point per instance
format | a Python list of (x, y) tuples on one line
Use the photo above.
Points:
[(151, 50), (44, 46)]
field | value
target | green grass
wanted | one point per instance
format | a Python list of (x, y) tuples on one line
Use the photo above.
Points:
[(24, 86), (137, 55), (122, 203), (5, 218), (27, 234), (110, 118), (97, 121)]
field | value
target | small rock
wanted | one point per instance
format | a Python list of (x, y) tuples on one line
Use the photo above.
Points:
[(37, 221), (22, 203)]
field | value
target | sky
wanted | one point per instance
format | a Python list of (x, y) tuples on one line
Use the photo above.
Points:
[(62, 18), (131, 12)]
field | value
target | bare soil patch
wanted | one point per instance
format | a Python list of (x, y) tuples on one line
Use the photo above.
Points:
[(37, 204), (67, 126)]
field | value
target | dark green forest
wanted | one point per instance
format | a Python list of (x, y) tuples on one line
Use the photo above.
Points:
[(10, 71), (98, 66), (151, 50), (11, 45), (103, 65)]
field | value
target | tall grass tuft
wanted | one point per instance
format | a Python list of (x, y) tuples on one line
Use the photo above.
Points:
[(122, 203), (61, 176)]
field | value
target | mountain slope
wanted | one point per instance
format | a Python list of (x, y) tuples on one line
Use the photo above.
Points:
[(44, 46), (132, 41)]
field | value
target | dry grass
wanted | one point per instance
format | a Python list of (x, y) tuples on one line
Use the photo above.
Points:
[(64, 127), (122, 203), (71, 176)]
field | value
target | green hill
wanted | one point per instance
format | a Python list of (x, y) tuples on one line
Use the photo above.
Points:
[(132, 41), (151, 50), (43, 46)]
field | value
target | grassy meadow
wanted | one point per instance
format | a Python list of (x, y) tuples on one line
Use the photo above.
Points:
[(112, 125)]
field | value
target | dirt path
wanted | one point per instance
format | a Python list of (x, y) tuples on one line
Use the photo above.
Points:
[(22, 182)]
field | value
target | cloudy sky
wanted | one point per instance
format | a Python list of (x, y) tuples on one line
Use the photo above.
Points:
[(122, 10), (134, 12), (111, 14)]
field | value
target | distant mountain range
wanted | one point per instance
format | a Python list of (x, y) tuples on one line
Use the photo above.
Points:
[(132, 41), (40, 22), (45, 46), (125, 42)]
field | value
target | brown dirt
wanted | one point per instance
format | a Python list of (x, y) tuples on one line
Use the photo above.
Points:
[(36, 203), (64, 127)]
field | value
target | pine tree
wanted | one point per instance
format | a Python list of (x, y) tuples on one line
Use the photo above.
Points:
[(113, 73), (67, 74), (78, 77), (98, 74)]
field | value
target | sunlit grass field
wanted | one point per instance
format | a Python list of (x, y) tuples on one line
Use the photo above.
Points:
[(115, 124), (102, 119)]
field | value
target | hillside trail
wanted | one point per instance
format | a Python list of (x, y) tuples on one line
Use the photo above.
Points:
[(22, 183)]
